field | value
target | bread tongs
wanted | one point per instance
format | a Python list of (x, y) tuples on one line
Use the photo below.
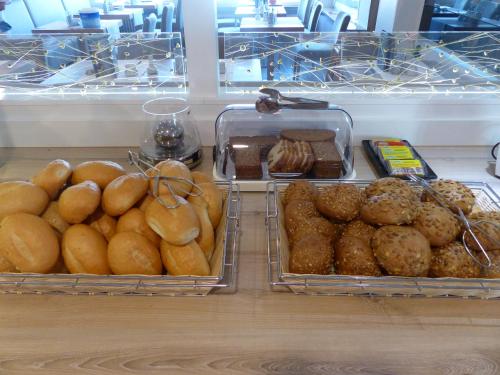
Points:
[(273, 101), (470, 227)]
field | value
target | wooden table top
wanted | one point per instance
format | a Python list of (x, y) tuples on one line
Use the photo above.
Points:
[(283, 24), (254, 331)]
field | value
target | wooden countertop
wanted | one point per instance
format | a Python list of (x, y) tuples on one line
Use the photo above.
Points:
[(254, 331)]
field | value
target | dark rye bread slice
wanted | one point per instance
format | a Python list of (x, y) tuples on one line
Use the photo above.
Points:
[(327, 160), (247, 163), (308, 135), (263, 142)]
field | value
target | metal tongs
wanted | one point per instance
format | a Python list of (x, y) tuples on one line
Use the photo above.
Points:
[(273, 102), (151, 172), (470, 226)]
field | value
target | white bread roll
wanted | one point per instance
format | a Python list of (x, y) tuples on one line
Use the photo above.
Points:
[(206, 238), (145, 202), (52, 216), (186, 260), (5, 265), (211, 194), (178, 226), (123, 192), (104, 224), (21, 196), (173, 168), (134, 220), (101, 172), (129, 253), (29, 243), (84, 250), (79, 201), (199, 177), (53, 177)]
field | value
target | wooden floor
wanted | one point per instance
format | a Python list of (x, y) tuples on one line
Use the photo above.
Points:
[(254, 331)]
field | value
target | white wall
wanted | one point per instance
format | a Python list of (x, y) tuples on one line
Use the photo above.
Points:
[(399, 15)]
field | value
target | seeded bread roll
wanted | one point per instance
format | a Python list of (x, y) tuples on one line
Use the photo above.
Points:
[(388, 209), (300, 190), (187, 260), (489, 223), (53, 177), (51, 215), (134, 220), (452, 260), (312, 254), (494, 271), (402, 251), (313, 225), (84, 250), (353, 256), (340, 202), (79, 201), (130, 253), (453, 192), (176, 169), (296, 212), (359, 229), (21, 196), (101, 172), (392, 185), (103, 223), (213, 197), (437, 224), (179, 225), (29, 243), (123, 193)]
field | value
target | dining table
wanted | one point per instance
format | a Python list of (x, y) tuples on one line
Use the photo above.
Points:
[(131, 18), (282, 24), (147, 6), (251, 11), (62, 27)]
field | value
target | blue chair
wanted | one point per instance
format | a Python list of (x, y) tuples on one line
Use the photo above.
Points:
[(45, 11), (16, 14), (149, 25), (167, 18), (301, 10)]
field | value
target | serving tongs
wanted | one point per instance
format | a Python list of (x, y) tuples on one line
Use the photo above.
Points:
[(273, 101), (151, 172), (469, 226)]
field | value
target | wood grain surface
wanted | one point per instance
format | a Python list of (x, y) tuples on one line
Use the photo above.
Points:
[(254, 331)]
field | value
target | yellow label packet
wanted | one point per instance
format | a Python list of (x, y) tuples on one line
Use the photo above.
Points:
[(396, 152), (405, 167)]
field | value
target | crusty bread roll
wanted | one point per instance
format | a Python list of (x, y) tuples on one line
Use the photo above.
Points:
[(103, 223), (53, 177), (5, 265), (145, 202), (123, 192), (134, 220), (29, 243), (173, 168), (214, 198), (206, 238), (84, 250), (21, 196), (52, 216), (130, 253), (184, 260), (101, 172), (199, 177), (77, 202), (179, 225)]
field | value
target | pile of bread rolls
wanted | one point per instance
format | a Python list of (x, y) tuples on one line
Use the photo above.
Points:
[(388, 228), (96, 218)]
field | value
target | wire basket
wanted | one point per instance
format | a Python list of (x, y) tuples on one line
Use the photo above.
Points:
[(223, 269), (281, 280)]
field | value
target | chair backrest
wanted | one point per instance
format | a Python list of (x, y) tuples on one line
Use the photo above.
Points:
[(16, 14), (301, 10), (307, 14), (179, 16), (315, 12), (149, 25), (45, 11), (341, 22), (73, 6), (167, 18)]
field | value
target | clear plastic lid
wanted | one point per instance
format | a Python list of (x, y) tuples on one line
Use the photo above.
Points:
[(290, 143)]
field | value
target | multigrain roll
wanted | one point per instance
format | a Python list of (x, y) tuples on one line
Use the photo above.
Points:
[(359, 229), (53, 177), (388, 209), (29, 243), (123, 193), (200, 177), (214, 198), (21, 196), (296, 212), (353, 256), (84, 250), (392, 185), (79, 201), (402, 251), (103, 223), (312, 254), (454, 193), (102, 172), (488, 233), (453, 260), (130, 253), (134, 220), (186, 260), (313, 225), (493, 272), (51, 215), (340, 202), (437, 224), (300, 190), (181, 182), (206, 238), (177, 226)]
